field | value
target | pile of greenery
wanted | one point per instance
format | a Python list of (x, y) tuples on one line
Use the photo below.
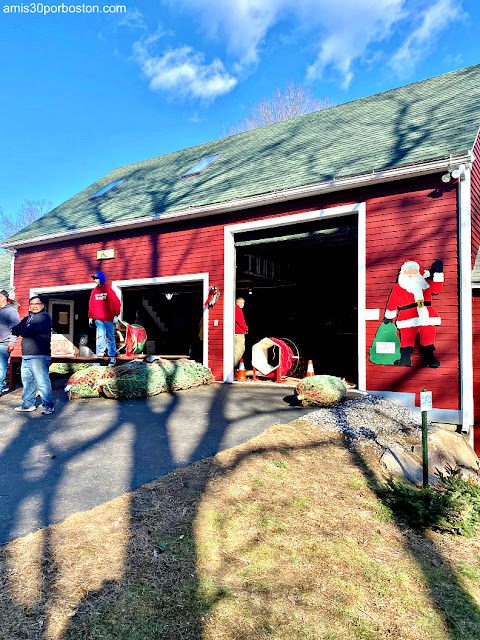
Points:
[(453, 507), (64, 369), (321, 391), (137, 379), (85, 383), (141, 379)]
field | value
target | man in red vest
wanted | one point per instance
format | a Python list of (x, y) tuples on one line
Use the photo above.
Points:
[(103, 308), (240, 330), (410, 302)]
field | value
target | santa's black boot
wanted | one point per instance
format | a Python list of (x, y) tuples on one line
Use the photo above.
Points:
[(428, 357), (405, 357)]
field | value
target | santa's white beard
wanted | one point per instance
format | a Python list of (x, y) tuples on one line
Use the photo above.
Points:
[(413, 284)]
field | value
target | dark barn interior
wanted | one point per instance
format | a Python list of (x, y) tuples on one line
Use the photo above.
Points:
[(300, 282), (171, 315)]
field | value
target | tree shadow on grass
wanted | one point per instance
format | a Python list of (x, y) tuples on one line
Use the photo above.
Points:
[(49, 575), (167, 590), (173, 558), (458, 608), (192, 572)]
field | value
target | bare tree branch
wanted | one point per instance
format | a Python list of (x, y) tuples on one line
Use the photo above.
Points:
[(30, 211), (296, 100)]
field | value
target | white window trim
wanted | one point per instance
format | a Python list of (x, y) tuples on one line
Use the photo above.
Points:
[(230, 281), (119, 285), (61, 288), (12, 253)]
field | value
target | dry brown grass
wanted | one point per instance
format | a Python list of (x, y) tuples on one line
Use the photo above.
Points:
[(282, 537)]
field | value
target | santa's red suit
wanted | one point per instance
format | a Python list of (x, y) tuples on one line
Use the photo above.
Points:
[(411, 304)]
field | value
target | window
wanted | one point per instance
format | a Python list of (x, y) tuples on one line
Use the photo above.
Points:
[(106, 189), (200, 166)]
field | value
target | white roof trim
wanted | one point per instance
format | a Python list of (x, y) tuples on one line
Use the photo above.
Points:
[(290, 193)]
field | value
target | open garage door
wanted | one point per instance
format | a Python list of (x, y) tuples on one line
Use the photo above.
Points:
[(299, 282), (171, 314)]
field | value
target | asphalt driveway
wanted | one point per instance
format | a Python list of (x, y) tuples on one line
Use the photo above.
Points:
[(91, 451)]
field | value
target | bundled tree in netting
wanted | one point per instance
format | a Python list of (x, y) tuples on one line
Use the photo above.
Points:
[(138, 379), (85, 383), (63, 369), (321, 391)]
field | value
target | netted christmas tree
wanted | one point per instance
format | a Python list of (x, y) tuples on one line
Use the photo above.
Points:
[(138, 379), (64, 369), (85, 383), (321, 391)]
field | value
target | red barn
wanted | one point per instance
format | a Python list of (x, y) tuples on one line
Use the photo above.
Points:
[(310, 221)]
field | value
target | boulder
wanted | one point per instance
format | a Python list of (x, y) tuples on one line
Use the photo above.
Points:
[(404, 465), (448, 449)]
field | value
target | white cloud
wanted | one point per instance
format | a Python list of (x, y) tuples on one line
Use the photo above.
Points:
[(347, 29), (339, 30), (241, 24), (420, 42), (337, 33), (132, 19), (184, 72)]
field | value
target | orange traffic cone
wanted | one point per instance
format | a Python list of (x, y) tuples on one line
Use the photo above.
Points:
[(310, 371), (241, 375)]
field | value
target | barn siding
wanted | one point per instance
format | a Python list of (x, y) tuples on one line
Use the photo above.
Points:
[(475, 181), (405, 220), (476, 370), (420, 226)]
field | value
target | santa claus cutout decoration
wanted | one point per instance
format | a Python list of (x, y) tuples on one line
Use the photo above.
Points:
[(410, 305)]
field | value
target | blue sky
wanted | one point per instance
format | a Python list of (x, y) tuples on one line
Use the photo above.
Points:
[(83, 93)]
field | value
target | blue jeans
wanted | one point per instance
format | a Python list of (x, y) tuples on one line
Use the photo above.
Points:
[(105, 337), (4, 355), (35, 377)]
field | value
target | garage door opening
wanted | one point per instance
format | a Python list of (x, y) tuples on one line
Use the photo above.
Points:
[(171, 315), (69, 313), (300, 282)]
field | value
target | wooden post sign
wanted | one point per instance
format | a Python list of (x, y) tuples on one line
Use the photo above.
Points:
[(425, 405)]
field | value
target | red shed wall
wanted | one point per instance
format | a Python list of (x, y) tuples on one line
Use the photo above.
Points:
[(476, 301), (404, 220), (475, 182), (422, 226), (476, 370)]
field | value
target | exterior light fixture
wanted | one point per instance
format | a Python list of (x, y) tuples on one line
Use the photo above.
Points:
[(459, 173), (456, 174), (169, 296)]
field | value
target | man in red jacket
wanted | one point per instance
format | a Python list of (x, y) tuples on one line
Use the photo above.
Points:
[(103, 308), (240, 330)]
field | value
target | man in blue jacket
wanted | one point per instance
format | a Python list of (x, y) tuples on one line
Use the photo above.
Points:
[(8, 318), (36, 331)]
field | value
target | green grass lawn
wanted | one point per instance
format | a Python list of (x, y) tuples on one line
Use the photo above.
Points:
[(282, 538)]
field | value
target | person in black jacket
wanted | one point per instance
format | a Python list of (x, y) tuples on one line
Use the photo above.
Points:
[(36, 331)]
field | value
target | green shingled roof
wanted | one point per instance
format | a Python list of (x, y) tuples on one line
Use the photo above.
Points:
[(426, 120)]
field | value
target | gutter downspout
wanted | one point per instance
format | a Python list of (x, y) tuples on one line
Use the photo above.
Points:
[(466, 319)]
